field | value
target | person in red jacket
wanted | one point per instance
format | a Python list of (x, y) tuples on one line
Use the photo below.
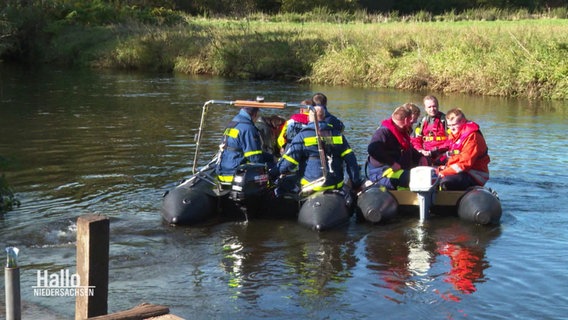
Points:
[(468, 156), (430, 136), (293, 126)]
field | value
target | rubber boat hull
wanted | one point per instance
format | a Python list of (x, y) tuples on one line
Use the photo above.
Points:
[(189, 203), (198, 201), (376, 205), (478, 205), (325, 210)]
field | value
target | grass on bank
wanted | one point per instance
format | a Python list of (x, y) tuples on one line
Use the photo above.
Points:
[(519, 56), (527, 58)]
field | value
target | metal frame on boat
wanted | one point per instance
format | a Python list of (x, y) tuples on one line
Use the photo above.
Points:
[(201, 198)]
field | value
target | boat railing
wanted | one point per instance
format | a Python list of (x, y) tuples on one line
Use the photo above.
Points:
[(235, 103)]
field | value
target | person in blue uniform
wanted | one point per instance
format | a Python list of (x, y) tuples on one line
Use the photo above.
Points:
[(241, 144), (304, 156), (320, 100)]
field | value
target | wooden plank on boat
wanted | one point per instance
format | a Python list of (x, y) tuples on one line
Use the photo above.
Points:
[(142, 311), (442, 198), (255, 104), (405, 197), (448, 198)]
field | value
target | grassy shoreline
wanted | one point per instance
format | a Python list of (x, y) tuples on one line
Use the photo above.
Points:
[(522, 58)]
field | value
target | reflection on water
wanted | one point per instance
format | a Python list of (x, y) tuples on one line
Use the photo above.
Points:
[(78, 142), (419, 262)]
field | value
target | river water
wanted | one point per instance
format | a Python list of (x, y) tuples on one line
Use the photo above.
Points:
[(81, 142)]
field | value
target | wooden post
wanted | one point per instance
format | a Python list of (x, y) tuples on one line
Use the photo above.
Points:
[(92, 265)]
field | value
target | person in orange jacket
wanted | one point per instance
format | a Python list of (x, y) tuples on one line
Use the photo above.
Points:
[(468, 156)]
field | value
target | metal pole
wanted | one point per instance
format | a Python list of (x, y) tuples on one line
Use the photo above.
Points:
[(321, 151), (12, 284)]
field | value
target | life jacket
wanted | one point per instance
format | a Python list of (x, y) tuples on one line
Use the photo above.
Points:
[(431, 133), (457, 144), (400, 151), (402, 137), (432, 124), (478, 170), (293, 126)]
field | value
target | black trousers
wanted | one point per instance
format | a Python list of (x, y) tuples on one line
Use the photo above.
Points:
[(460, 181)]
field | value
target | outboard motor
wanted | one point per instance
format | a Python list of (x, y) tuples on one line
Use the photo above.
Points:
[(250, 181), (424, 181)]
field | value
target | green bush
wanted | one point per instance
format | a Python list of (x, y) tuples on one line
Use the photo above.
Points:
[(7, 199)]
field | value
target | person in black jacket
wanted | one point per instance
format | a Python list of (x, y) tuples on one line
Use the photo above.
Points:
[(391, 155)]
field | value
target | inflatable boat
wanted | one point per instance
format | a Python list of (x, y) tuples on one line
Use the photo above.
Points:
[(478, 205), (201, 198)]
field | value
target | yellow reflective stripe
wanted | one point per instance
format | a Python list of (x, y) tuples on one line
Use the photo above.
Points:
[(304, 182), (438, 138), (389, 173), (225, 178), (232, 132), (252, 153), (292, 160), (282, 137), (310, 141), (337, 140), (348, 151)]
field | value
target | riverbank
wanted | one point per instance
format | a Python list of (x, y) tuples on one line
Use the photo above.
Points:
[(519, 58)]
